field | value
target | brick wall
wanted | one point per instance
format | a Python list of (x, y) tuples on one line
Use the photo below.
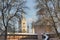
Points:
[(39, 30)]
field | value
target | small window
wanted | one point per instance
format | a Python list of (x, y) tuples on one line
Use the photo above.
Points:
[(24, 31), (23, 23)]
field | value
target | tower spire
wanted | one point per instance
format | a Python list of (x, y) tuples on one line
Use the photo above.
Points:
[(23, 13)]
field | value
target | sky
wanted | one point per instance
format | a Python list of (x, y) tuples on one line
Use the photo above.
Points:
[(31, 12)]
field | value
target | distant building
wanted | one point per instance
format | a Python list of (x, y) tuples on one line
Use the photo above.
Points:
[(23, 27)]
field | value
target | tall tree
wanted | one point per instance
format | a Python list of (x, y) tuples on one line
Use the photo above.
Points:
[(46, 8), (6, 14)]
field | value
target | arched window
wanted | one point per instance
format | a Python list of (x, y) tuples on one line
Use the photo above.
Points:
[(24, 31)]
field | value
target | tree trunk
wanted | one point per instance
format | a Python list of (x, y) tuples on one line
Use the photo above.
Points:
[(54, 25), (5, 32)]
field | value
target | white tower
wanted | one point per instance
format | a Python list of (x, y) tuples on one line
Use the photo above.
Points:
[(23, 24)]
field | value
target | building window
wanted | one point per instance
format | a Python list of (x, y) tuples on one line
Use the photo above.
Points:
[(24, 31), (23, 23)]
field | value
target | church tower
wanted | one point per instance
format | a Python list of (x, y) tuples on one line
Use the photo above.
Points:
[(23, 24)]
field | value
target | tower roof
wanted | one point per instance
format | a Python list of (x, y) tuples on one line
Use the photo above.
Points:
[(23, 16)]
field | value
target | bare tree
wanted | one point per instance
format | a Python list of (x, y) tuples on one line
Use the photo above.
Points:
[(6, 7), (46, 8)]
